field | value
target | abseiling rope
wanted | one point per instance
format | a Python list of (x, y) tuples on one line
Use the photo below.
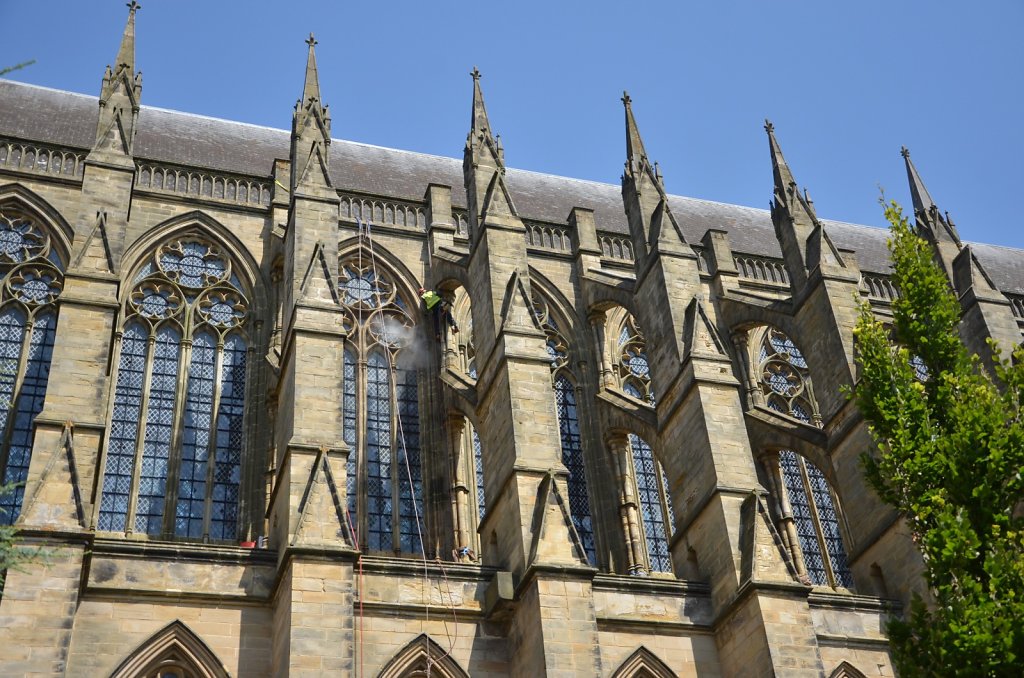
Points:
[(408, 472)]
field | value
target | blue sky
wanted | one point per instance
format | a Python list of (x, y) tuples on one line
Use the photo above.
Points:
[(846, 83)]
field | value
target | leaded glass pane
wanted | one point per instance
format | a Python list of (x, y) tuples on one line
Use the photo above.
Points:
[(478, 468), (124, 430), (652, 514), (410, 484), (349, 431), (195, 445), (800, 504), (227, 465), (30, 403), (572, 457), (378, 454), (149, 509), (829, 522)]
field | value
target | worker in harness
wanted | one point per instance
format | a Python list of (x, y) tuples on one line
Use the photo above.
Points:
[(439, 310)]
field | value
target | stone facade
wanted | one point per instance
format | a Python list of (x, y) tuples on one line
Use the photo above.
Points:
[(634, 459)]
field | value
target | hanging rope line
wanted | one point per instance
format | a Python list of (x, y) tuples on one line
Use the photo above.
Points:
[(364, 230)]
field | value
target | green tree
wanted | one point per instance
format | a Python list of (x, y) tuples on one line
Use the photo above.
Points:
[(13, 555), (951, 456)]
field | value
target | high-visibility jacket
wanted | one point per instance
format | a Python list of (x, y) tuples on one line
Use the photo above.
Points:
[(431, 299)]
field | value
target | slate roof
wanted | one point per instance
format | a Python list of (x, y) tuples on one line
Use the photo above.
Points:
[(52, 116)]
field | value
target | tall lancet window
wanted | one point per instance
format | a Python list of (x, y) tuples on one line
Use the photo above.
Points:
[(651, 485), (177, 424), (569, 428), (30, 282), (805, 502), (381, 411)]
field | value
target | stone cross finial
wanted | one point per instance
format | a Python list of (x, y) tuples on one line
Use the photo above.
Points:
[(625, 98), (311, 40), (904, 151), (133, 7), (475, 73), (768, 126)]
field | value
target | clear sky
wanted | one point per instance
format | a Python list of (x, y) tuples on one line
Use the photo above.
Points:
[(846, 83)]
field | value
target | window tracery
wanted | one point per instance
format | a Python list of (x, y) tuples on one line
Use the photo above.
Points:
[(380, 410), (633, 367), (803, 496), (569, 427), (176, 437), (31, 280), (784, 378)]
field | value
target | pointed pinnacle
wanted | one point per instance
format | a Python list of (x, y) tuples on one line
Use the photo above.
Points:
[(311, 86), (918, 193), (479, 121), (634, 144), (126, 52), (780, 169)]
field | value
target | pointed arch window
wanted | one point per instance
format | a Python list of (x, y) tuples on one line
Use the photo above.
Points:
[(566, 407), (806, 503), (177, 423), (381, 411), (654, 502), (633, 367), (31, 280)]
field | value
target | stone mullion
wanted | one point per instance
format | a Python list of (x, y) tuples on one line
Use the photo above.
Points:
[(140, 439), (667, 519), (826, 558), (459, 489), (362, 520), (211, 444), (101, 466), (395, 434), (19, 382), (250, 493), (741, 340), (787, 523), (597, 321), (636, 550), (174, 451)]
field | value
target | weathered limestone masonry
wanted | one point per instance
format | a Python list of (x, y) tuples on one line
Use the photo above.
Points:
[(253, 457)]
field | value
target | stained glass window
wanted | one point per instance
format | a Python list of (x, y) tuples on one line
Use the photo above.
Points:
[(572, 457), (478, 471), (177, 425), (786, 384), (30, 282), (381, 389), (817, 522), (783, 375)]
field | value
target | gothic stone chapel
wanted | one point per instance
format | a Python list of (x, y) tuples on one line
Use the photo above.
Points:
[(246, 453)]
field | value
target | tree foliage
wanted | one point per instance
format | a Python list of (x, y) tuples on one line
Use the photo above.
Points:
[(951, 441), (13, 555)]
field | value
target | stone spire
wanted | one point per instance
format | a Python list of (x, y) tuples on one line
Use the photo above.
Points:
[(483, 165), (792, 212), (311, 131), (651, 223), (480, 133), (120, 94), (126, 54), (635, 152), (930, 222)]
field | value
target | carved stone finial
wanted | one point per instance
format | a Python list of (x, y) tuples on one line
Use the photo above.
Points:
[(625, 98), (768, 126), (311, 40), (133, 7), (475, 73), (904, 151)]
